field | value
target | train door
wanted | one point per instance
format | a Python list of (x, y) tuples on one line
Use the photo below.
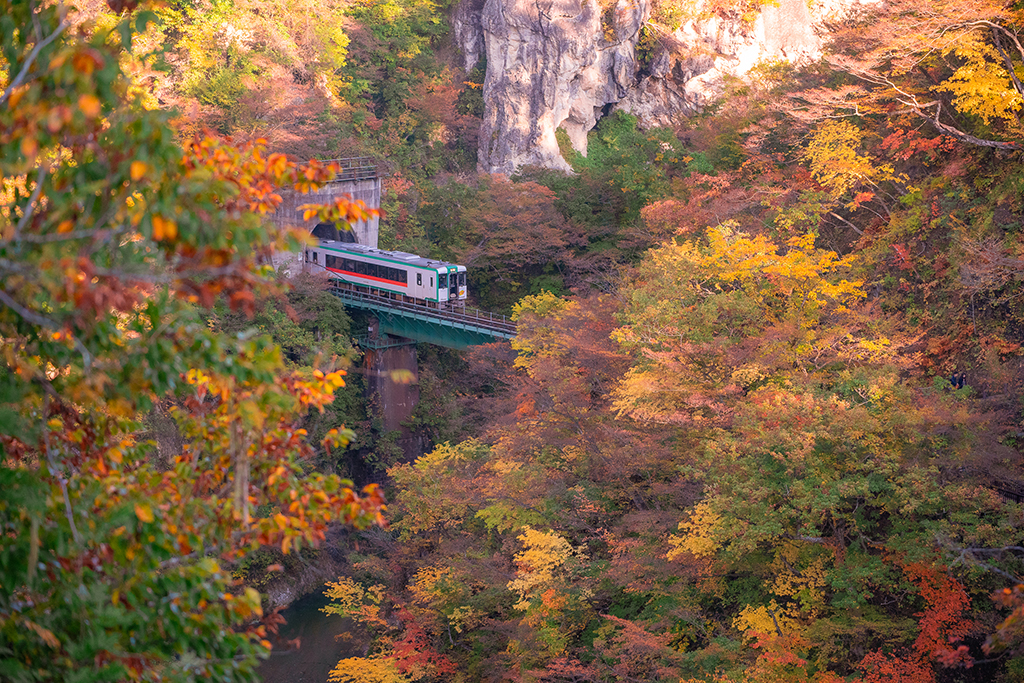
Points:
[(442, 287), (453, 284), (461, 287)]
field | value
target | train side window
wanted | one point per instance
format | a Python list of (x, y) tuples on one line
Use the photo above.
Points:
[(405, 276), (307, 256), (314, 257), (331, 261), (419, 279), (431, 280)]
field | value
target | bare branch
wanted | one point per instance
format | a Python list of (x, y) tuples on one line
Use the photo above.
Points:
[(855, 228), (64, 236), (30, 60), (961, 135), (43, 321), (1006, 60), (25, 313)]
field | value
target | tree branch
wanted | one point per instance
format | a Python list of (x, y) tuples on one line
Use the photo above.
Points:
[(855, 228), (1009, 62), (43, 321), (959, 134), (30, 60)]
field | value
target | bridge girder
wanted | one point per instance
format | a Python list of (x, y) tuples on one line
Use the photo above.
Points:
[(452, 331)]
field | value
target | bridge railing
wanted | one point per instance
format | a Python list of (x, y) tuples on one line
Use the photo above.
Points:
[(467, 316), (353, 168)]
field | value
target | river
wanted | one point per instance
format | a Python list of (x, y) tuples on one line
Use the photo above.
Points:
[(320, 649)]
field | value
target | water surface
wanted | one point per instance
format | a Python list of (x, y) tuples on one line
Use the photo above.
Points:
[(320, 649)]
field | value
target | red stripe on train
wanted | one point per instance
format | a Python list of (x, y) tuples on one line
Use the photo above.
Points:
[(369, 277)]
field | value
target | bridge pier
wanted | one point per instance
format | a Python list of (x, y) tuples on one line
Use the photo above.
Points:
[(392, 385)]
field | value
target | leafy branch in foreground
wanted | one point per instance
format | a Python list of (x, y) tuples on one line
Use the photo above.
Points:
[(112, 237)]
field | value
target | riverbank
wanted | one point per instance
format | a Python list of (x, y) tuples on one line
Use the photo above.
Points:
[(306, 573)]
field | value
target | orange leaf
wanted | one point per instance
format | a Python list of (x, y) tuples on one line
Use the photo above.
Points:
[(144, 512), (43, 633), (29, 147), (86, 61), (137, 170), (15, 96), (90, 105)]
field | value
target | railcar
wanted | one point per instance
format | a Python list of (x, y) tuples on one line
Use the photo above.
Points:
[(395, 274)]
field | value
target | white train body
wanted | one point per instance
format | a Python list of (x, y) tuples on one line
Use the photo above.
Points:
[(393, 273)]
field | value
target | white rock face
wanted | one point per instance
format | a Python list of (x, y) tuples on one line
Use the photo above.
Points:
[(564, 63), (550, 64), (700, 55)]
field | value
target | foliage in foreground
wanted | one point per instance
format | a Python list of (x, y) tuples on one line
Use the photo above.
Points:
[(112, 237)]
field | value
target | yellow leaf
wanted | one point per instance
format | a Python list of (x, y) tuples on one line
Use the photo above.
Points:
[(65, 226), (402, 376)]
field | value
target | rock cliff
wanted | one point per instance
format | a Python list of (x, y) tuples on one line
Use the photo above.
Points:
[(565, 63)]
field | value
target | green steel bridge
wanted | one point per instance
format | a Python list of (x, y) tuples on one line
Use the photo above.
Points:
[(454, 329)]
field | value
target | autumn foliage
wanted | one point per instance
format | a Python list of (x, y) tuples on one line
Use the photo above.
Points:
[(113, 238)]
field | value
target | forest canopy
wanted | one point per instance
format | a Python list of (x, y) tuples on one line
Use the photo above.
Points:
[(761, 420)]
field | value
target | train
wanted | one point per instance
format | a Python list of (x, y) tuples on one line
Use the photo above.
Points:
[(395, 274)]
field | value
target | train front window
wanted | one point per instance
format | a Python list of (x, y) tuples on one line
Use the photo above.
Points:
[(442, 280), (462, 279)]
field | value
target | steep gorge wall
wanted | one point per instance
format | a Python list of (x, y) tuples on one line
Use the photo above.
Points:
[(564, 63)]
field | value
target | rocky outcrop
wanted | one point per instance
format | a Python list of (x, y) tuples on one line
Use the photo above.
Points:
[(694, 61), (551, 64), (564, 63)]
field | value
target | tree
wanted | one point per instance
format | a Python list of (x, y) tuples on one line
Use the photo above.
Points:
[(953, 63), (711, 323), (514, 238), (112, 238)]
